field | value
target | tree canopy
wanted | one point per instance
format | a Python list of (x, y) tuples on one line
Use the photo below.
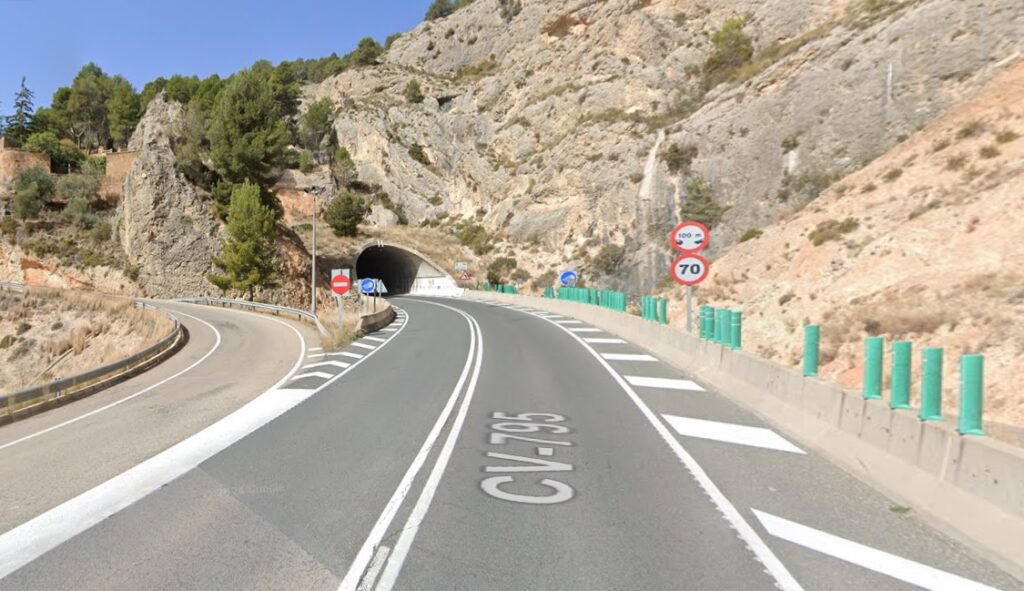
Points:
[(248, 257)]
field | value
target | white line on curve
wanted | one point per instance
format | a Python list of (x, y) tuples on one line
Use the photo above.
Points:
[(730, 433), (628, 357), (380, 528), (419, 511), (315, 349), (313, 374), (213, 349), (784, 579), (909, 571), (32, 539), (664, 383)]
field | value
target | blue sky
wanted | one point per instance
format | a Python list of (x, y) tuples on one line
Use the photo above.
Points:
[(49, 41)]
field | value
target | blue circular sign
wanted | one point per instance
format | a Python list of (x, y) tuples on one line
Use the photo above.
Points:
[(568, 278), (367, 285)]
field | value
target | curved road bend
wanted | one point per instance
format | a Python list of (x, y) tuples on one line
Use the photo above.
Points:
[(488, 448), (231, 357)]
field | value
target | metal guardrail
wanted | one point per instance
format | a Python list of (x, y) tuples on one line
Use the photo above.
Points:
[(256, 306), (37, 398)]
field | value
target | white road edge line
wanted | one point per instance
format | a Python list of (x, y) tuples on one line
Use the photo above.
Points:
[(784, 579), (419, 511), (379, 559), (216, 345), (39, 535), (359, 564), (731, 433), (902, 569)]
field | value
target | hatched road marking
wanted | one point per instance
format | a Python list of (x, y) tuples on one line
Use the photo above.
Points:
[(663, 383), (585, 329), (605, 341), (313, 374), (364, 346), (627, 357), (909, 571), (340, 364), (730, 433)]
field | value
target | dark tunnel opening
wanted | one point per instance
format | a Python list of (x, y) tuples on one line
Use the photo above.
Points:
[(396, 267)]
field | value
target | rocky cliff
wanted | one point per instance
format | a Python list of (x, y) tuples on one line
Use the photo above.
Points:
[(553, 126)]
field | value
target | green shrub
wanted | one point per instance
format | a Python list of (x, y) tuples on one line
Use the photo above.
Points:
[(832, 230), (345, 213), (343, 169), (101, 232), (679, 157), (989, 152), (475, 237), (9, 229), (509, 9), (28, 202), (500, 269), (79, 213), (38, 176), (970, 129), (751, 234), (1006, 136), (79, 186), (22, 328), (306, 161), (700, 206), (892, 174), (7, 341), (609, 258), (731, 49), (413, 92), (435, 200), (417, 154)]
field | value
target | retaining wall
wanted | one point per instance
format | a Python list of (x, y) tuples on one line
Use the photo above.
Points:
[(970, 487), (374, 321)]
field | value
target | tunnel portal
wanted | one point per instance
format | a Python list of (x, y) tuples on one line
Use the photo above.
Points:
[(403, 271)]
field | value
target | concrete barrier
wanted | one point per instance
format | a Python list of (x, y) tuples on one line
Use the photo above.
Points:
[(969, 487), (374, 321)]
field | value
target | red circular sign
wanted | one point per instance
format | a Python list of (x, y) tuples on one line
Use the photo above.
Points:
[(690, 237), (340, 284), (690, 269)]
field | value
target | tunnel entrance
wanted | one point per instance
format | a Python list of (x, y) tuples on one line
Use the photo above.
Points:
[(403, 271)]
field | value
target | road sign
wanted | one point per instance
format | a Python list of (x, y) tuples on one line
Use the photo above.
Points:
[(690, 237), (380, 287), (465, 276), (690, 269), (340, 284), (461, 266), (367, 285), (568, 278)]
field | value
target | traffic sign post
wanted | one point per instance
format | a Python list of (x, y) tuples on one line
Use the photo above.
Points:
[(568, 278), (690, 269), (340, 284)]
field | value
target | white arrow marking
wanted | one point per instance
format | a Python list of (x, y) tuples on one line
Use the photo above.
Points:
[(663, 383), (729, 433), (627, 357), (340, 364), (313, 374), (909, 571)]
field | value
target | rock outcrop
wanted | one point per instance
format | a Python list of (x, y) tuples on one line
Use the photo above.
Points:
[(556, 123), (158, 124)]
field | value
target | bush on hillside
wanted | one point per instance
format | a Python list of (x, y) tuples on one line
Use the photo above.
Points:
[(500, 269), (700, 206), (413, 92), (679, 157), (731, 48), (609, 258), (345, 213)]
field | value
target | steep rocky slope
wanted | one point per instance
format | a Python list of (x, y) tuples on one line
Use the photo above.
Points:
[(930, 252), (553, 127)]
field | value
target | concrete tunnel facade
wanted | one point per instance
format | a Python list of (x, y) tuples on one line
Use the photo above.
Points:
[(403, 270)]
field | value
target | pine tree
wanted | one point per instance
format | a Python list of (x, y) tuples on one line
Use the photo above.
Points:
[(122, 111), (248, 257), (345, 213), (19, 125)]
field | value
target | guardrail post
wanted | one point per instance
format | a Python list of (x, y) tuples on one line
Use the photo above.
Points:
[(664, 310), (709, 320), (722, 326), (972, 385), (812, 344), (931, 384), (736, 329), (899, 397), (874, 348)]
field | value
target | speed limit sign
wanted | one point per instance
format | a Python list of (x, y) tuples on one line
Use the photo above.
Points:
[(690, 237), (690, 269)]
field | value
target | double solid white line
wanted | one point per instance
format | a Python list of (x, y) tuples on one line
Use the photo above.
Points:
[(360, 568)]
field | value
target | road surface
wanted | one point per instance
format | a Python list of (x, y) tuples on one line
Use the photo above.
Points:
[(466, 446)]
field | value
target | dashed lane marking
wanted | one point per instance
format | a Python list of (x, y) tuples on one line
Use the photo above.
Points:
[(905, 570), (667, 384), (627, 357), (730, 433)]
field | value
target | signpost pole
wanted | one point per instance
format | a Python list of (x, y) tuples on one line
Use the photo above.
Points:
[(689, 309)]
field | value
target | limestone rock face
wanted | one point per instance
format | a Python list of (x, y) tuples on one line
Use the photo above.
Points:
[(167, 230), (157, 124), (551, 129)]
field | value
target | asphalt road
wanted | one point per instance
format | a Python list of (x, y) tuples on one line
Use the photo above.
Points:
[(470, 446)]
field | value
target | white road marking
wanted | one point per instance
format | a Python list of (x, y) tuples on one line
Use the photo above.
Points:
[(627, 357), (585, 329), (315, 349), (545, 451), (599, 341), (359, 565), (313, 374), (664, 383), (388, 329), (379, 558), (419, 511), (730, 433), (296, 391), (569, 322), (340, 364), (32, 539), (778, 571), (317, 356), (374, 339), (347, 354), (213, 349), (364, 346), (902, 569)]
